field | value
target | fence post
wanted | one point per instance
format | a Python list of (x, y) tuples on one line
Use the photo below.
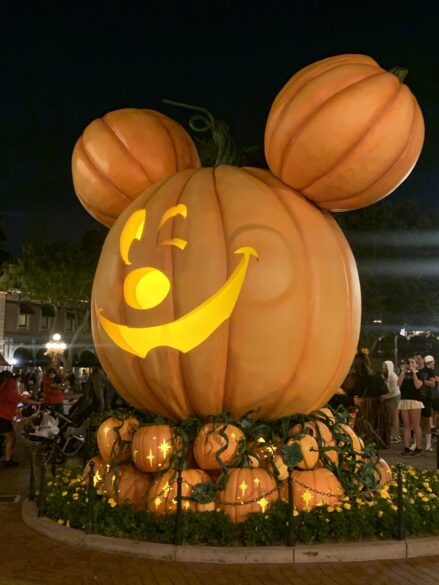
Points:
[(291, 520), (32, 475), (400, 503), (437, 449), (178, 536), (89, 527), (42, 494)]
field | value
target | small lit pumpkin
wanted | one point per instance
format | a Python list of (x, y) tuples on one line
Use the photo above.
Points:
[(186, 322), (113, 438), (310, 452), (312, 488), (163, 493), (247, 490), (210, 441), (324, 437), (263, 449), (355, 441), (383, 472), (344, 132), (99, 471), (152, 447), (128, 484), (121, 154)]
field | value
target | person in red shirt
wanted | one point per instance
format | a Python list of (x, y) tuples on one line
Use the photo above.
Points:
[(53, 393), (9, 399)]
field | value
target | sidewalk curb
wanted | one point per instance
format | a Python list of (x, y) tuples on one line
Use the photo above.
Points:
[(318, 553)]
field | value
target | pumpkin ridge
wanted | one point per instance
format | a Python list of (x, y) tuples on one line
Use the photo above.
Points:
[(99, 171), (119, 137), (171, 140), (345, 252), (357, 143), (227, 361), (390, 168), (185, 391), (311, 115), (291, 82), (297, 225)]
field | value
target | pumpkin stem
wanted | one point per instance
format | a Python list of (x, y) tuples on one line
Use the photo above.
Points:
[(226, 149), (400, 72)]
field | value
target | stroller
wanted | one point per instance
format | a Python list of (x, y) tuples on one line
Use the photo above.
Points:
[(59, 436)]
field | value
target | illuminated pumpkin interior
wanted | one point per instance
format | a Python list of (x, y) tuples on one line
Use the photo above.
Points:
[(146, 287)]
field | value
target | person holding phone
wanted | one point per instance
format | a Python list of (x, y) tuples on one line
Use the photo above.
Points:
[(411, 405)]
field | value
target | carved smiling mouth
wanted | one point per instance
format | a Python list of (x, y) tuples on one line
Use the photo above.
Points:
[(191, 329)]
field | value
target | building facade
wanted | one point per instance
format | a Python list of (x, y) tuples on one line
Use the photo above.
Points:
[(27, 325)]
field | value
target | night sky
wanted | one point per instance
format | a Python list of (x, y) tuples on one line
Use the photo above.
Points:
[(66, 63)]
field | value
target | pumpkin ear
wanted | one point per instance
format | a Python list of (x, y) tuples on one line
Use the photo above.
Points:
[(344, 132), (121, 154)]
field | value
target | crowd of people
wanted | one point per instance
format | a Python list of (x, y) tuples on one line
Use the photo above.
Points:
[(35, 387), (382, 402)]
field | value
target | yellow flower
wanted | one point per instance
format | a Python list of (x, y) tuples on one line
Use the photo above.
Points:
[(347, 506), (75, 496), (112, 502), (425, 499), (326, 519), (420, 495), (404, 490), (380, 513), (64, 494), (330, 509), (411, 501), (50, 483), (60, 521), (295, 512), (394, 508), (384, 494), (370, 503), (359, 502)]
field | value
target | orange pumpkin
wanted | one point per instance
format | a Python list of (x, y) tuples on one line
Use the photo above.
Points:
[(110, 435), (128, 484), (152, 447), (218, 331), (121, 154), (383, 472), (325, 414), (310, 452), (324, 438), (99, 471), (355, 441), (163, 493), (210, 440), (246, 491), (312, 488), (344, 132)]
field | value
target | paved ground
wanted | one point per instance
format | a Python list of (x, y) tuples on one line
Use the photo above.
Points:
[(27, 558)]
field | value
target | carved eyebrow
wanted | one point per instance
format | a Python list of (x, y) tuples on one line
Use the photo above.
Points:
[(132, 230), (179, 209)]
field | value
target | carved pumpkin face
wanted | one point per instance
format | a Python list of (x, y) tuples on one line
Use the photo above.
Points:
[(212, 293)]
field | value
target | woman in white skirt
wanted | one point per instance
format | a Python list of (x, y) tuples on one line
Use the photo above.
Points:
[(410, 406)]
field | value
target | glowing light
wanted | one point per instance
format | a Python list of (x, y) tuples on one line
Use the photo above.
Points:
[(132, 230), (175, 242), (263, 502), (257, 481), (157, 502), (150, 457), (145, 288), (135, 454), (307, 497), (191, 329), (186, 505), (180, 209), (243, 487), (166, 489), (164, 447)]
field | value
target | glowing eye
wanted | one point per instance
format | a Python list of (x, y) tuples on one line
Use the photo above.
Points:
[(145, 288)]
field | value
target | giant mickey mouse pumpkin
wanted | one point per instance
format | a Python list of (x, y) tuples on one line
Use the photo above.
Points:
[(220, 289)]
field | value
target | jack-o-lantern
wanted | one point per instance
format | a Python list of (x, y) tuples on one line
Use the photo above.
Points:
[(114, 437), (128, 484), (310, 451), (119, 155), (383, 472), (324, 438), (211, 295), (214, 438), (353, 440), (246, 491), (162, 497), (152, 447), (314, 487), (99, 471), (344, 132)]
